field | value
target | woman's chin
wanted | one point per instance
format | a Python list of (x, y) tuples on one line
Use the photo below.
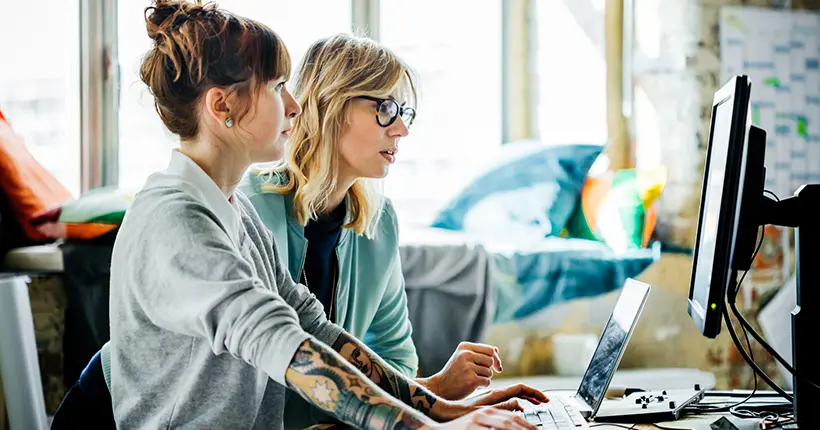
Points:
[(380, 173), (269, 155)]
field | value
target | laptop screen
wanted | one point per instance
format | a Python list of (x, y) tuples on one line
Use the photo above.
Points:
[(612, 343)]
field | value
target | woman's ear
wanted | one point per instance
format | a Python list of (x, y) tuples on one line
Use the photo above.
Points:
[(217, 105)]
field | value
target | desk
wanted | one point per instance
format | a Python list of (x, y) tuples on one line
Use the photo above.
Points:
[(648, 379), (691, 421), (701, 422)]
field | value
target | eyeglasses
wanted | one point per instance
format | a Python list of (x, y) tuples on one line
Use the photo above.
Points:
[(387, 110)]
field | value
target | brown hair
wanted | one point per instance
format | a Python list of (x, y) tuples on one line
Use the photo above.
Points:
[(198, 47)]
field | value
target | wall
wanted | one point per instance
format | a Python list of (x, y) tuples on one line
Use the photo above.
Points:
[(676, 70)]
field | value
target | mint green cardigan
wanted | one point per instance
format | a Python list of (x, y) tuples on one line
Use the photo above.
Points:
[(371, 303)]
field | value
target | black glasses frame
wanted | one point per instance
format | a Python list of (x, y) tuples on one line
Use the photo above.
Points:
[(399, 111)]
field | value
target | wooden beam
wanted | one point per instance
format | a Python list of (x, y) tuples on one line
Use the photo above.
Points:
[(619, 146), (516, 74)]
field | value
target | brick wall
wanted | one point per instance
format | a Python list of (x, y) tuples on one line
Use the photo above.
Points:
[(676, 70)]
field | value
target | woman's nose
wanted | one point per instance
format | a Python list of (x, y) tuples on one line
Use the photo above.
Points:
[(292, 106)]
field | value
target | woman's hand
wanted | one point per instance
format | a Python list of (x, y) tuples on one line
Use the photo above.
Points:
[(470, 367), (502, 399), (489, 418), (505, 398)]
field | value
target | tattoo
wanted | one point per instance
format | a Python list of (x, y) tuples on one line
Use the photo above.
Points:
[(327, 381), (384, 376)]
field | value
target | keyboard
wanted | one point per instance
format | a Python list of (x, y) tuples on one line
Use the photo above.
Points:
[(555, 415)]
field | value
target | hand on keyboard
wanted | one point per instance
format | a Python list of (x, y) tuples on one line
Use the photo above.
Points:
[(506, 398), (489, 418)]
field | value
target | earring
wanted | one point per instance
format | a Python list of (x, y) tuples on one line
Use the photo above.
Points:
[(228, 123)]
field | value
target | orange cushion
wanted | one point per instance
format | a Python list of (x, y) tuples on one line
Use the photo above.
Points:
[(617, 208), (29, 186)]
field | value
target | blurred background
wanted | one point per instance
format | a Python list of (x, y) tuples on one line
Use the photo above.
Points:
[(604, 106)]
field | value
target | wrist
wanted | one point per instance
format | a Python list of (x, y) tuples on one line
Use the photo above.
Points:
[(445, 410), (430, 383)]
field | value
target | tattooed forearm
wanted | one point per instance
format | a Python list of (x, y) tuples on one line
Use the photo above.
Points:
[(405, 389), (327, 381)]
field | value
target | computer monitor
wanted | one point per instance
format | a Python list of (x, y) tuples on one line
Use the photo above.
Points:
[(731, 194), (732, 208)]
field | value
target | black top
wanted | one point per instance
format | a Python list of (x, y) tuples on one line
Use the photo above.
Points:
[(320, 260)]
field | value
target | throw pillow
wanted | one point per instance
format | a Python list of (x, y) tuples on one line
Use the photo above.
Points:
[(93, 214), (617, 208), (531, 188), (29, 187)]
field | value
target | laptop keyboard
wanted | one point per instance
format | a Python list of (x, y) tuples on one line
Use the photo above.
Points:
[(554, 415)]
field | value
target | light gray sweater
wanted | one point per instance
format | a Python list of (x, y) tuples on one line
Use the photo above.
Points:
[(204, 320)]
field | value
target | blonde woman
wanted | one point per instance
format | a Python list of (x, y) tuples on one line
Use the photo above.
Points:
[(337, 233)]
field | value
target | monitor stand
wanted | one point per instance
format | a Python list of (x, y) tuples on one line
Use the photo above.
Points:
[(798, 212)]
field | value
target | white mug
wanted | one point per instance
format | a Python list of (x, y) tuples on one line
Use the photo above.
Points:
[(572, 353)]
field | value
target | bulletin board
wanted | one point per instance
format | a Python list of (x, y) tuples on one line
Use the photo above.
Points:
[(779, 51)]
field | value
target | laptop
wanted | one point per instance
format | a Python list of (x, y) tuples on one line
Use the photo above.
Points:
[(572, 411)]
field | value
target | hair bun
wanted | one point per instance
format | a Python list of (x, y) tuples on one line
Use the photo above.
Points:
[(169, 15)]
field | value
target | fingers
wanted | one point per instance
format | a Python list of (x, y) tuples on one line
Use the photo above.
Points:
[(477, 347), (509, 405), (486, 350), (480, 359), (482, 371), (497, 419), (482, 381), (497, 361), (524, 392)]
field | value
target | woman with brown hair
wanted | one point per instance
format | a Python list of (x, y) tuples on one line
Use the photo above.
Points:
[(208, 330)]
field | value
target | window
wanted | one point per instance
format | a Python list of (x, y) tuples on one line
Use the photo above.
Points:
[(571, 70), (40, 84), (456, 54), (145, 143)]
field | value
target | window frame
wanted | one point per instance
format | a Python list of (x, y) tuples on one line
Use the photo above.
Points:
[(100, 79)]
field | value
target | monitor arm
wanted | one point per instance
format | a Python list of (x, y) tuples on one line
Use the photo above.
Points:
[(802, 211)]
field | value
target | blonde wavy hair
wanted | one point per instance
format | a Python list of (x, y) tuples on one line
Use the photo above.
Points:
[(334, 71)]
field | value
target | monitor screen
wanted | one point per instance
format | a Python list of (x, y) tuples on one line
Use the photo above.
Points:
[(721, 206), (612, 344), (713, 184)]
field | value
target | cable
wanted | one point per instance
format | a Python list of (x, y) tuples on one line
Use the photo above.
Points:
[(751, 363), (752, 355), (732, 300), (614, 425), (733, 334), (772, 194), (709, 408), (739, 344), (765, 345), (662, 428)]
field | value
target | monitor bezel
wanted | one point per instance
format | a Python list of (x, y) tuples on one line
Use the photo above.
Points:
[(708, 317)]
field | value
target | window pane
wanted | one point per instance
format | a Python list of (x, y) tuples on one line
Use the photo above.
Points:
[(459, 112), (145, 143), (571, 71), (40, 84)]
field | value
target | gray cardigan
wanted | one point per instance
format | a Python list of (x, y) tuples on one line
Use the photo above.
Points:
[(204, 320)]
